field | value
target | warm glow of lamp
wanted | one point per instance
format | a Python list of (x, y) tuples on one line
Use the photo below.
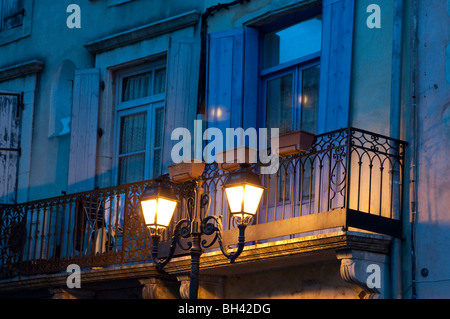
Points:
[(158, 205), (244, 191)]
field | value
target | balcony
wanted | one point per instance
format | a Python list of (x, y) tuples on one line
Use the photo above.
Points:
[(350, 182)]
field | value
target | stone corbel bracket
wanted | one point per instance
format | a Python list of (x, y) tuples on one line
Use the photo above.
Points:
[(367, 270), (210, 287), (161, 287)]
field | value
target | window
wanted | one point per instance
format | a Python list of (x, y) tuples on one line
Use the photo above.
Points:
[(140, 118), (290, 75), (11, 14), (290, 72)]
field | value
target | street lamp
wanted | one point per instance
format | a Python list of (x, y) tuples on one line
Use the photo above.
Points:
[(243, 192), (158, 204)]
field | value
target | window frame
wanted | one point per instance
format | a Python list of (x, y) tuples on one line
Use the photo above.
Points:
[(159, 63), (295, 67), (149, 105), (146, 151), (21, 31), (297, 88)]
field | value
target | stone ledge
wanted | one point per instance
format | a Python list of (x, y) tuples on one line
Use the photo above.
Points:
[(19, 70), (87, 276), (277, 254), (144, 32), (283, 253)]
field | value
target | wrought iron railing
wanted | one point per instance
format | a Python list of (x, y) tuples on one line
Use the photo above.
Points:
[(349, 178)]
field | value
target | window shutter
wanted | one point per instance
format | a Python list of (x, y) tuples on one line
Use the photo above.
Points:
[(83, 136), (181, 94), (9, 147), (10, 12), (61, 99), (335, 77), (232, 79)]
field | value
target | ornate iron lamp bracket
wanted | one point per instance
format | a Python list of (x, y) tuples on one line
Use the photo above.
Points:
[(194, 227), (215, 227)]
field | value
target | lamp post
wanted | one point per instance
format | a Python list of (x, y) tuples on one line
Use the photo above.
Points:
[(243, 191)]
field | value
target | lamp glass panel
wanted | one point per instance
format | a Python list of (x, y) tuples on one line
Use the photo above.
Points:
[(235, 195), (149, 211), (252, 197), (166, 208)]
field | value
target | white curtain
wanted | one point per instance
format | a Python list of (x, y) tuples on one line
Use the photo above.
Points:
[(144, 84), (132, 147), (133, 128), (137, 86)]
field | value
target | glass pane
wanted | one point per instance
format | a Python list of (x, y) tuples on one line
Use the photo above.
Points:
[(310, 98), (133, 133), (293, 42), (160, 81), (279, 103), (137, 86), (131, 168), (159, 118), (156, 163)]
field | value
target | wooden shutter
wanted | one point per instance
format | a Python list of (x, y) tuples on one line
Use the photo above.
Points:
[(83, 136), (9, 146), (336, 60), (11, 15), (232, 79), (181, 94)]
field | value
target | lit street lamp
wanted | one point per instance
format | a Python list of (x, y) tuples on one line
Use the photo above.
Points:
[(158, 205), (243, 191)]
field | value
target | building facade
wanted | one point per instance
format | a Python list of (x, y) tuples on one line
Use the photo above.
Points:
[(91, 93)]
